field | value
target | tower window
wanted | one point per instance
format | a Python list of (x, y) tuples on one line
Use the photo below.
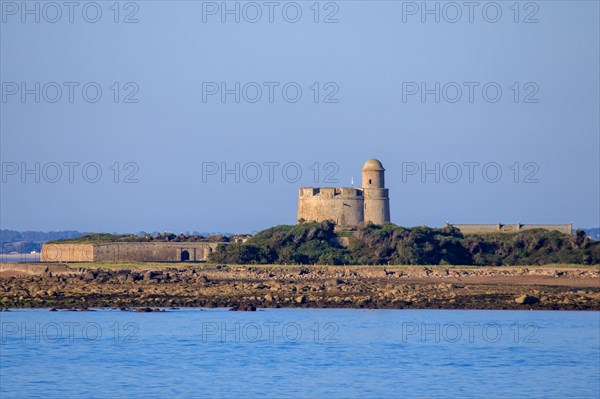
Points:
[(369, 181)]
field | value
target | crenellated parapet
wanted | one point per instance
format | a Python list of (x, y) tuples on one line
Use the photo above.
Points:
[(331, 192)]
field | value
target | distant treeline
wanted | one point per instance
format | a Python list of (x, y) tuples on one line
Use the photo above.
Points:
[(36, 236), (317, 243), (26, 241), (593, 233)]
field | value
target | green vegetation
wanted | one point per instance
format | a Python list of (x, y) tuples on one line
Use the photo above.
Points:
[(165, 237), (92, 238), (317, 243), (306, 243)]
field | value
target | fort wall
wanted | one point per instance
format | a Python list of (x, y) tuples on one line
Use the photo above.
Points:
[(510, 228), (152, 252), (128, 251), (67, 253), (343, 206)]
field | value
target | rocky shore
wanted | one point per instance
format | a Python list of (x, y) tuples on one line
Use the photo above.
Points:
[(62, 286)]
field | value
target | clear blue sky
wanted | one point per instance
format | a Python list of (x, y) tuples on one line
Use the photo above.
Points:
[(370, 61)]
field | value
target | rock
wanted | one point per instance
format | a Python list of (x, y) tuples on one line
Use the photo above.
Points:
[(89, 276), (147, 310), (301, 299), (362, 302), (243, 308), (150, 275), (275, 287), (53, 310), (269, 298), (526, 300)]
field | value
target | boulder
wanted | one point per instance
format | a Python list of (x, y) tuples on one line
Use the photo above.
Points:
[(147, 310), (526, 300), (89, 276)]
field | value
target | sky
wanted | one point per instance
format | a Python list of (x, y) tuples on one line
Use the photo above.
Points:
[(209, 116)]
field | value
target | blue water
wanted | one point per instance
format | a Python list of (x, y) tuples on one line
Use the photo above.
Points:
[(300, 353)]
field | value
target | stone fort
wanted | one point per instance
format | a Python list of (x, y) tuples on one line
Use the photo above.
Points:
[(345, 206), (348, 206)]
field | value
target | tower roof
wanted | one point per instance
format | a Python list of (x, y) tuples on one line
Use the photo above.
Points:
[(373, 164)]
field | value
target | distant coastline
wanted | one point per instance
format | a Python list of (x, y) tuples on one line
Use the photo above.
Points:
[(24, 257)]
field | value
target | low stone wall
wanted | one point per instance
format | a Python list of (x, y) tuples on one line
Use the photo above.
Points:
[(67, 253), (153, 252), (128, 251), (510, 228)]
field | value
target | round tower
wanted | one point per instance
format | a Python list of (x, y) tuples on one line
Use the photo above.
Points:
[(376, 200)]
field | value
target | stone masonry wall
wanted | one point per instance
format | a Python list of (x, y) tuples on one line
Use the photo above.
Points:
[(510, 228), (151, 252), (344, 206), (67, 253), (128, 251)]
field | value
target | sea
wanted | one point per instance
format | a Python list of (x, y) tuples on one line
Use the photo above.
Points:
[(9, 258), (299, 353)]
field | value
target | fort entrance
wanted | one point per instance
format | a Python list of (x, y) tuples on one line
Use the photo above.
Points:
[(185, 256)]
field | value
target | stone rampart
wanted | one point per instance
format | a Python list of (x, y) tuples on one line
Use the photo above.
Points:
[(344, 206), (128, 251), (510, 228), (67, 253)]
